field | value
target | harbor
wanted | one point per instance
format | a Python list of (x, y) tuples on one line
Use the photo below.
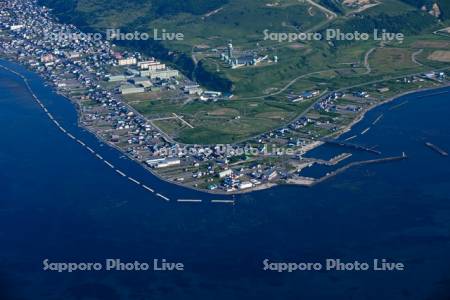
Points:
[(108, 214), (100, 85), (310, 181), (352, 145)]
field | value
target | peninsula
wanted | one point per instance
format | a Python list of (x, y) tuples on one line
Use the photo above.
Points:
[(222, 141)]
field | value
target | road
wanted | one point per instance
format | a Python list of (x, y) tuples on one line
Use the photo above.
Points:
[(330, 14), (291, 83), (414, 57), (366, 61), (307, 110)]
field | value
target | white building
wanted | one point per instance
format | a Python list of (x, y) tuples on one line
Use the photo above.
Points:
[(116, 78), (245, 185), (170, 162), (151, 65), (225, 173), (127, 61), (131, 89), (193, 89), (164, 74), (17, 27)]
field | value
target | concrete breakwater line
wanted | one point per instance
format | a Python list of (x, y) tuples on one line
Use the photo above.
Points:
[(84, 145)]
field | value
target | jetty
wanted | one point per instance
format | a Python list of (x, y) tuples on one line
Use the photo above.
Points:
[(335, 160), (359, 163), (352, 145), (437, 149)]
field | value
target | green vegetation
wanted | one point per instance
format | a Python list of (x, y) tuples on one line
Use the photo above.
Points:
[(219, 122), (153, 8), (333, 5), (207, 25), (444, 6), (260, 101)]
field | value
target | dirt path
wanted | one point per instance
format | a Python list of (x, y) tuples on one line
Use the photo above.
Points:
[(366, 61), (414, 57)]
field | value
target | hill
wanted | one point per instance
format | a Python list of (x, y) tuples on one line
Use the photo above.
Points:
[(443, 6), (264, 71)]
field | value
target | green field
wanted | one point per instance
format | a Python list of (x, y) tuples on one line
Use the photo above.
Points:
[(260, 92), (220, 122)]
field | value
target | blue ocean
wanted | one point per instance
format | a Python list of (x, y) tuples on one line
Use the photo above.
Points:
[(59, 202)]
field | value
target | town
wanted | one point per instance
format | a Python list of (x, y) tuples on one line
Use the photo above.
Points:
[(98, 76)]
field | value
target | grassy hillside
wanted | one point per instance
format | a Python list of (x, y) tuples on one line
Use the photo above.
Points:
[(204, 23), (445, 9), (444, 6), (261, 92), (333, 5), (411, 22), (155, 8), (210, 24)]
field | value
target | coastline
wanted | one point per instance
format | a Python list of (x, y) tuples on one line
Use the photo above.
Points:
[(260, 187), (388, 100)]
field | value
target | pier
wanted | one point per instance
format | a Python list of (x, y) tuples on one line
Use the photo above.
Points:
[(436, 148), (360, 163), (335, 160), (351, 145)]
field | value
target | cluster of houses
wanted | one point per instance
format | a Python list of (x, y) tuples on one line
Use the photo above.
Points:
[(294, 97), (328, 103), (77, 64), (34, 38), (439, 76)]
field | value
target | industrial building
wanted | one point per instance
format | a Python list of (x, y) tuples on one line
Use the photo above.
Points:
[(131, 89), (127, 61)]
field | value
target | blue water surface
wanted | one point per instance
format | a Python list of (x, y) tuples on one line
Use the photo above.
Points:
[(59, 202)]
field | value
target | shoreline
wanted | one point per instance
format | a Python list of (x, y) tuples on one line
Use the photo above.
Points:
[(388, 100), (262, 186)]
